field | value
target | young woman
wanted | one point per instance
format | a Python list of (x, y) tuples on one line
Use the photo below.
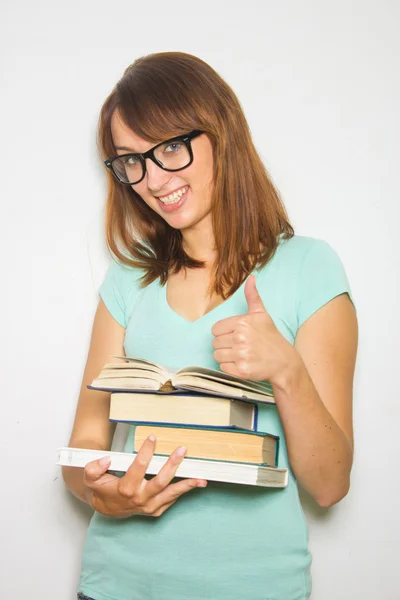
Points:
[(207, 271)]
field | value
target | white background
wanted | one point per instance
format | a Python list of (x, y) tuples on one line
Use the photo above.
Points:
[(319, 82)]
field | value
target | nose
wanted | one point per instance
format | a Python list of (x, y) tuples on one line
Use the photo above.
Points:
[(156, 176)]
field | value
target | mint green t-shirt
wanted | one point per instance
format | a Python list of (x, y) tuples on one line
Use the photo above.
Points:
[(224, 542)]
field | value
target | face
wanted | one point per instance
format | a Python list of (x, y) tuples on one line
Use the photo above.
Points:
[(191, 207)]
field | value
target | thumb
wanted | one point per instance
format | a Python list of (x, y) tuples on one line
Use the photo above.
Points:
[(96, 468), (254, 302)]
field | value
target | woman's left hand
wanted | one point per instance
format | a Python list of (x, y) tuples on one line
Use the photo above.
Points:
[(250, 346)]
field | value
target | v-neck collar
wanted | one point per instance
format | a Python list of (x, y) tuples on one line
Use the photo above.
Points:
[(213, 311), (202, 318)]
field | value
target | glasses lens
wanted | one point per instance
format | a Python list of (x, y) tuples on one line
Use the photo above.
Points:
[(129, 169), (173, 155)]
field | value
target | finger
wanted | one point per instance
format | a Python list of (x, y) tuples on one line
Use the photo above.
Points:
[(223, 341), (173, 491), (95, 469), (166, 474), (224, 326), (158, 511), (162, 509), (134, 476), (254, 302), (226, 355), (229, 368)]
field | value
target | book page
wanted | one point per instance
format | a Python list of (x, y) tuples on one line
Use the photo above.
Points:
[(221, 389), (127, 371), (231, 380), (141, 363), (124, 383)]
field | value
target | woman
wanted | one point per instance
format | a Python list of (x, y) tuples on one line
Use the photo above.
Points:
[(191, 214)]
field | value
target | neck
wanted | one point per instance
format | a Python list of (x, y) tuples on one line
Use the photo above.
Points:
[(199, 242)]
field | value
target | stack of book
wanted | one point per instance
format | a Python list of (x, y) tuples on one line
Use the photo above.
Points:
[(212, 414)]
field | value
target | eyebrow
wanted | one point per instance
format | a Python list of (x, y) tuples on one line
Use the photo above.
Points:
[(127, 149)]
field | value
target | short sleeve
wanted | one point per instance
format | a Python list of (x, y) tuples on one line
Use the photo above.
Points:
[(115, 293), (322, 277)]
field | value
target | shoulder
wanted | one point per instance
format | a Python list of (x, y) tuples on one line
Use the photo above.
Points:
[(298, 247), (296, 254), (123, 274), (120, 286), (299, 256), (304, 274), (320, 275)]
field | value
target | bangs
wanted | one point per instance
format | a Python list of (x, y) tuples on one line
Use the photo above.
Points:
[(158, 106)]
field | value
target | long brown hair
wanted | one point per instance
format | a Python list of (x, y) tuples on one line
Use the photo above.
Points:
[(172, 93)]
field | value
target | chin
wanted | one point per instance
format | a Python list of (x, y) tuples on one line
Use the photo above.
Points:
[(181, 223)]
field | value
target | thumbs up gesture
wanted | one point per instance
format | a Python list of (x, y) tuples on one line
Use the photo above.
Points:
[(250, 346)]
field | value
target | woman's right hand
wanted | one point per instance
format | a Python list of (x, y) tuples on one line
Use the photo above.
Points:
[(132, 494)]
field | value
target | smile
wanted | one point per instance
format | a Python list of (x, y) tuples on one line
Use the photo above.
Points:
[(174, 197)]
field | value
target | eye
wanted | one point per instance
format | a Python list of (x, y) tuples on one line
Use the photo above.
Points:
[(130, 160), (173, 147)]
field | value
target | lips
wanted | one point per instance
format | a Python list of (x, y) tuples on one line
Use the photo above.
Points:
[(174, 196), (175, 204)]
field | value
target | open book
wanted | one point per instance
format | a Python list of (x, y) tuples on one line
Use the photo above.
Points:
[(136, 374), (213, 470)]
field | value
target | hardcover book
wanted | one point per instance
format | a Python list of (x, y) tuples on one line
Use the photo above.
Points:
[(183, 409), (235, 446)]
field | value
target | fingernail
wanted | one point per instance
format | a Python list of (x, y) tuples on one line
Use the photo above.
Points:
[(104, 461), (202, 484), (152, 438), (181, 451)]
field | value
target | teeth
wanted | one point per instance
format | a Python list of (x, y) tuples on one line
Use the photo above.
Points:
[(172, 198)]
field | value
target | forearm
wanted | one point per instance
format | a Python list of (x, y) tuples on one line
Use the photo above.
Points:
[(73, 476), (319, 452)]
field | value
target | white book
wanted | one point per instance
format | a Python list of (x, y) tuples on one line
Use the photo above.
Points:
[(213, 470)]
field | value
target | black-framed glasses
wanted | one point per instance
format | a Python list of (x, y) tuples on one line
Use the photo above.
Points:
[(172, 155)]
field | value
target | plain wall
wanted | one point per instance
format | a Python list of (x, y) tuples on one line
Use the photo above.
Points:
[(319, 82)]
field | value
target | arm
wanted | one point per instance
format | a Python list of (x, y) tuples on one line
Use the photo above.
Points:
[(131, 494), (92, 428), (312, 384), (314, 399)]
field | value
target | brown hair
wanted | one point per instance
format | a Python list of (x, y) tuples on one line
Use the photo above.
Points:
[(172, 93)]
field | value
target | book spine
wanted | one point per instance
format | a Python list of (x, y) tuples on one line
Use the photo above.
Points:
[(255, 424), (277, 451)]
